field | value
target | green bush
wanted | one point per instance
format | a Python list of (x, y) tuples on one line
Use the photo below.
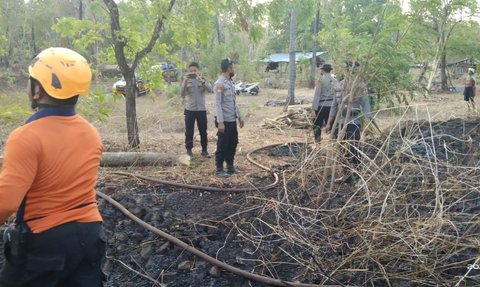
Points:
[(172, 90), (98, 105)]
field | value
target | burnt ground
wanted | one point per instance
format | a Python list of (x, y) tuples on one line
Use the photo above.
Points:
[(236, 228), (255, 232)]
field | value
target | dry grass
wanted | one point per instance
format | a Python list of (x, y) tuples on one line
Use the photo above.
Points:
[(411, 220)]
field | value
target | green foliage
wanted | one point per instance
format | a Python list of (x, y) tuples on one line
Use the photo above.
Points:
[(14, 113), (172, 91), (279, 21), (82, 33), (464, 43), (14, 109), (98, 105), (379, 39)]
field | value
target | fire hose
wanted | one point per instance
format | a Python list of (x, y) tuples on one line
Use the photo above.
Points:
[(215, 189), (251, 276)]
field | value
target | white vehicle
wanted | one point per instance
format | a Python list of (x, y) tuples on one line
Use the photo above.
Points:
[(247, 88)]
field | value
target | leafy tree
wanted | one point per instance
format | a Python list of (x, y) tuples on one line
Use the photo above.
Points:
[(376, 34), (124, 49), (313, 64), (465, 42), (442, 17)]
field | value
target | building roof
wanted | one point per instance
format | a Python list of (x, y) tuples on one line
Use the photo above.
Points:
[(285, 57)]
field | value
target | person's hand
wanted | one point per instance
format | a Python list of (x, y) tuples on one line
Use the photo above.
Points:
[(221, 128), (241, 122), (184, 81), (312, 114)]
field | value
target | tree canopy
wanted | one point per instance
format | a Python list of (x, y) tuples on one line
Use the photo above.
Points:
[(386, 40)]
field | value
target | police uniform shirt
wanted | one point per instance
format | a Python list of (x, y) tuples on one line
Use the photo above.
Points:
[(194, 94), (324, 92), (225, 100), (361, 103)]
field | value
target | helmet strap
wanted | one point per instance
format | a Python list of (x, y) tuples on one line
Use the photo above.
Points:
[(34, 103)]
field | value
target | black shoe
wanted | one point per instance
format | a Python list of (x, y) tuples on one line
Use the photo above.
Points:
[(205, 154), (230, 169), (221, 173), (190, 153)]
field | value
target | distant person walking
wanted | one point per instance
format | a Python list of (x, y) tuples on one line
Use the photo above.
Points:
[(193, 90), (469, 92), (227, 115), (323, 99)]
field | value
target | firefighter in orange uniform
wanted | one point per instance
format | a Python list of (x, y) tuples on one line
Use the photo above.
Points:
[(48, 177)]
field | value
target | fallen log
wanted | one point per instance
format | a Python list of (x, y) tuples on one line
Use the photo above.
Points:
[(111, 159), (297, 117), (119, 159)]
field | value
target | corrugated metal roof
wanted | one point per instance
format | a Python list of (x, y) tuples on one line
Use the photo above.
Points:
[(285, 57)]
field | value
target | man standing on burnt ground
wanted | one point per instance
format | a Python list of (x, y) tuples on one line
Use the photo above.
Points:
[(48, 176), (193, 90), (323, 99), (227, 115), (360, 108)]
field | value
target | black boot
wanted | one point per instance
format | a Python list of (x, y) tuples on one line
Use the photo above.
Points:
[(190, 153), (205, 154), (317, 132), (220, 172), (230, 168)]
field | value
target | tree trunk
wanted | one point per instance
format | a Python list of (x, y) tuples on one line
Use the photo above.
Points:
[(131, 111), (443, 71), (292, 50), (219, 32), (128, 72), (127, 159), (313, 66), (111, 159), (34, 44), (80, 10)]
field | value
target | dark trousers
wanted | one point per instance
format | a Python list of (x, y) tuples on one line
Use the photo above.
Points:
[(321, 118), (69, 255), (226, 144), (190, 118), (352, 137), (469, 94)]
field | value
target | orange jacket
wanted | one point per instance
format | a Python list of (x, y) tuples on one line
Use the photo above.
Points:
[(54, 161)]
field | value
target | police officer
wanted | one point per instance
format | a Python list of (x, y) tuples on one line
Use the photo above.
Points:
[(48, 176), (323, 99), (193, 91), (227, 115), (360, 106)]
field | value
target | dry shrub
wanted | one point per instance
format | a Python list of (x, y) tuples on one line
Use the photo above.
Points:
[(410, 220)]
